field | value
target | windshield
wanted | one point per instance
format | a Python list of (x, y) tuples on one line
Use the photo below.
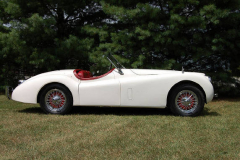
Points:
[(115, 62)]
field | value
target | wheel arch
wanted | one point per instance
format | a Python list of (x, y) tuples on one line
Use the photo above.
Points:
[(184, 83), (46, 85)]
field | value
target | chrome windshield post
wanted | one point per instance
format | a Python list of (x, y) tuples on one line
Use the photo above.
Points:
[(117, 65)]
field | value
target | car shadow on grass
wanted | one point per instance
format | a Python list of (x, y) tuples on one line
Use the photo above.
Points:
[(207, 112), (227, 99), (77, 110), (120, 111), (34, 110)]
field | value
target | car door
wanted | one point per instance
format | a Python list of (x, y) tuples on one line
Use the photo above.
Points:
[(139, 90), (104, 91)]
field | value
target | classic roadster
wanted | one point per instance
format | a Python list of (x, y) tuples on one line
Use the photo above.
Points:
[(185, 93)]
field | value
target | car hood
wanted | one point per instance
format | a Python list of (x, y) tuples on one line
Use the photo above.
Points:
[(160, 72)]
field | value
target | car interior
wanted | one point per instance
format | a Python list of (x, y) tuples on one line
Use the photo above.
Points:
[(86, 75)]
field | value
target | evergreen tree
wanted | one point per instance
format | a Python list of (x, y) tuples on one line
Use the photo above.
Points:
[(198, 35), (41, 35)]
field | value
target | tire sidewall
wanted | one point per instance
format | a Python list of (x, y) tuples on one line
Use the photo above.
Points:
[(69, 102), (194, 89)]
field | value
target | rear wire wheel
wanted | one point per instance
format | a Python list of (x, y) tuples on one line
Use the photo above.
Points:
[(186, 100), (56, 99)]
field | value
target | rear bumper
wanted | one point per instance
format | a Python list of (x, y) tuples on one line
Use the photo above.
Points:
[(8, 92)]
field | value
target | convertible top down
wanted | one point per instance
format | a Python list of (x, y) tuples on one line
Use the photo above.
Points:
[(185, 93)]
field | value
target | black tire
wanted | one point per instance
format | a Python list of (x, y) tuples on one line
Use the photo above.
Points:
[(186, 100), (56, 99)]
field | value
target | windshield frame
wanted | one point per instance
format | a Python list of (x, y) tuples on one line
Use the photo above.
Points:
[(116, 63)]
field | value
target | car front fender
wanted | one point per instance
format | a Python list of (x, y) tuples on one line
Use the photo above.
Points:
[(27, 92)]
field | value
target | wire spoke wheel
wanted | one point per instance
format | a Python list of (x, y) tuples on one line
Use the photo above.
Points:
[(55, 100), (186, 101)]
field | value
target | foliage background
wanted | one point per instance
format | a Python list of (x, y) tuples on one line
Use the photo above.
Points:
[(42, 35)]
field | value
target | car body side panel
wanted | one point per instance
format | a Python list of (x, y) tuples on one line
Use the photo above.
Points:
[(28, 91), (152, 90), (100, 92), (130, 89), (142, 91)]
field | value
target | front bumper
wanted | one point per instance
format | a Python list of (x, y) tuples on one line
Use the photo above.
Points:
[(8, 92)]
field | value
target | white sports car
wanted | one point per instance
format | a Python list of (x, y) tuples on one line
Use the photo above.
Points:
[(185, 93)]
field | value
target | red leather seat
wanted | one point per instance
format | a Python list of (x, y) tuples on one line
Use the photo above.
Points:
[(84, 74)]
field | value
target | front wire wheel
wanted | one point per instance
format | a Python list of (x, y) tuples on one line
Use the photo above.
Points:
[(56, 99), (186, 100)]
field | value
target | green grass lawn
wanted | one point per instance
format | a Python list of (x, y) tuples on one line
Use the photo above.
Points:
[(119, 133)]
